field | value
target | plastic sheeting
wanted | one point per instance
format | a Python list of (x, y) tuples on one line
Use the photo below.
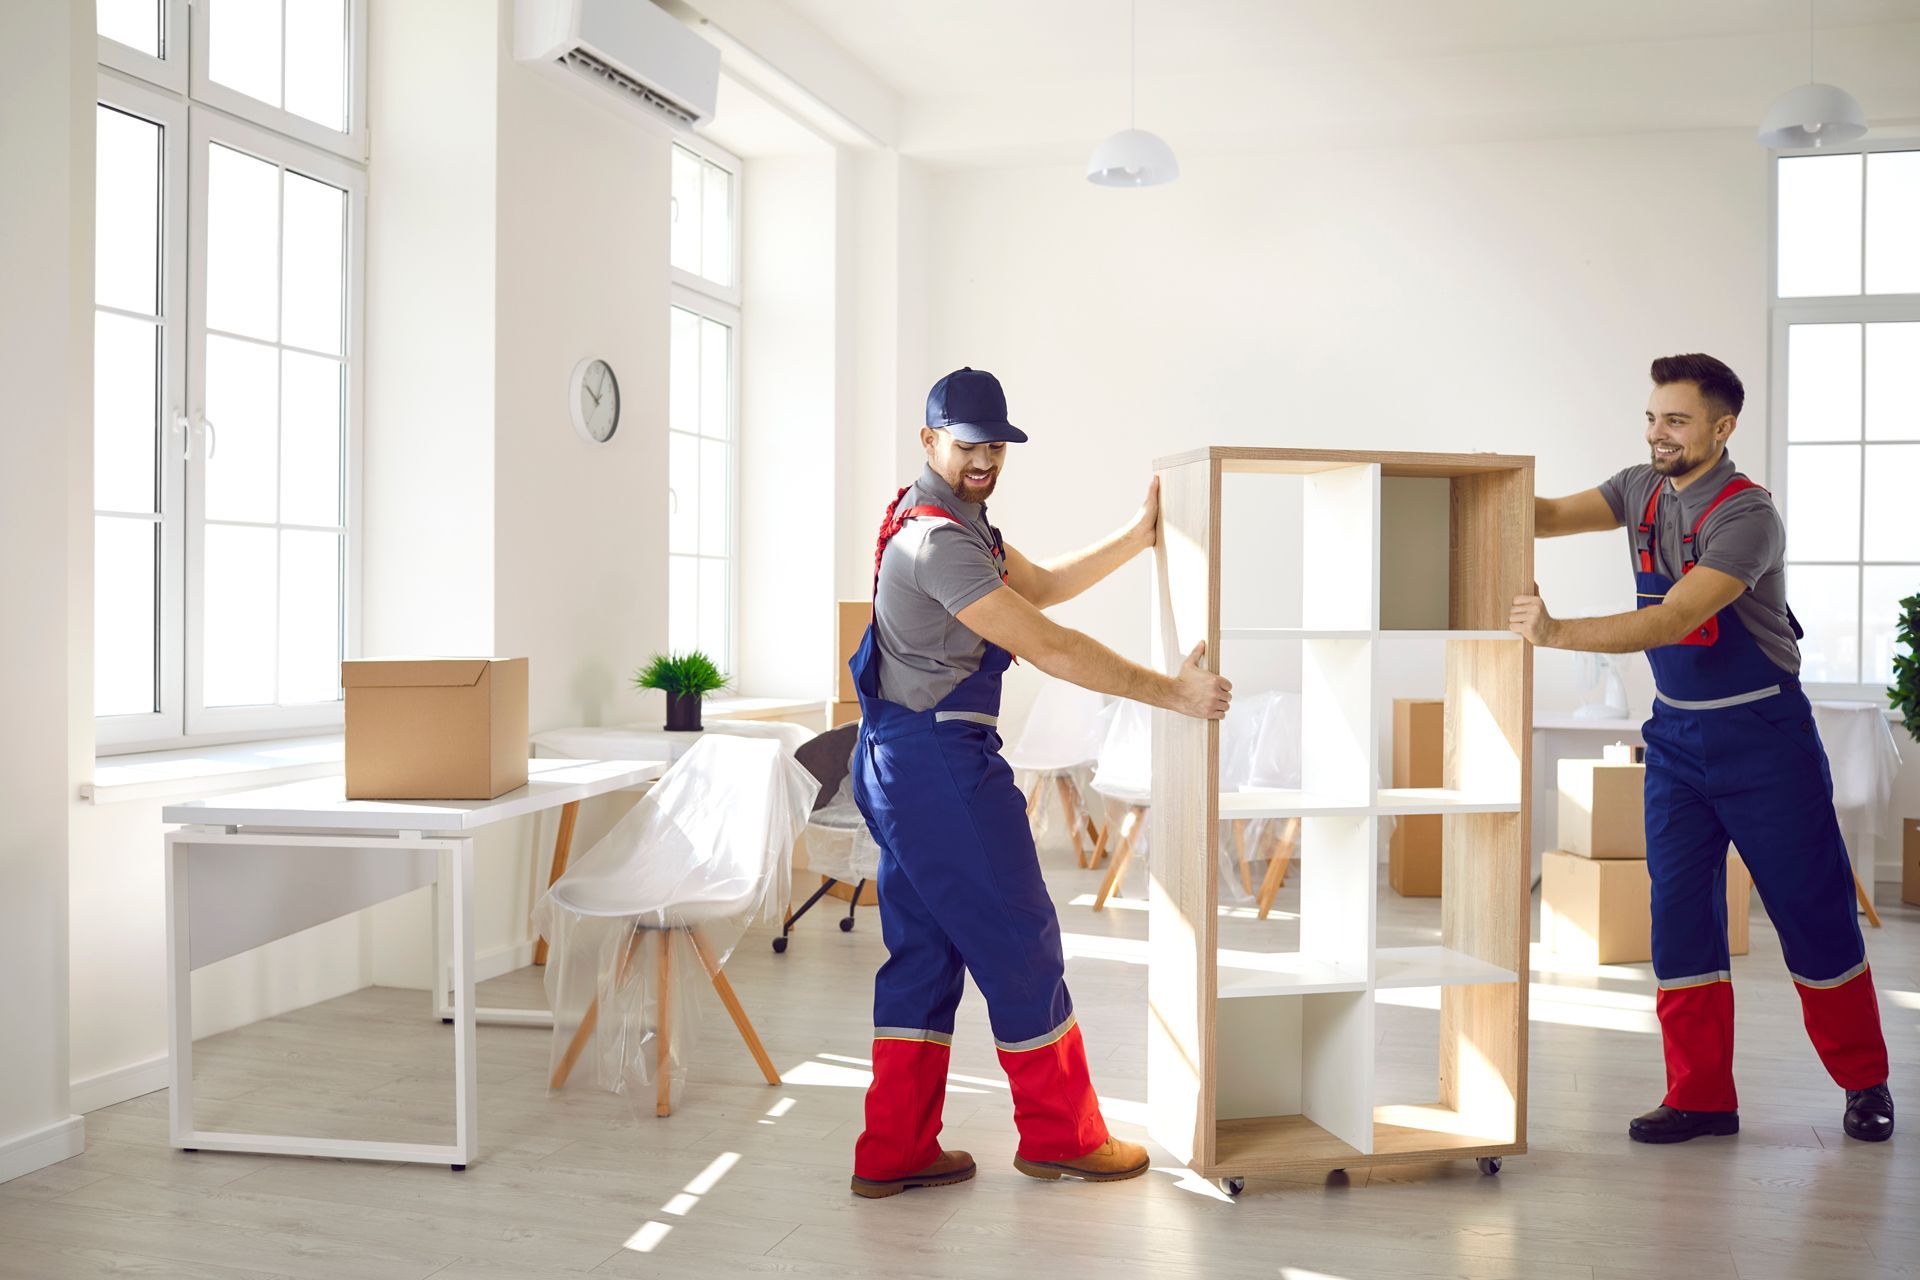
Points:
[(838, 842), (639, 924), (1059, 743), (1259, 748)]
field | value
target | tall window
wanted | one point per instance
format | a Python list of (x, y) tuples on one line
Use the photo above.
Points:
[(1846, 396), (228, 231), (703, 398)]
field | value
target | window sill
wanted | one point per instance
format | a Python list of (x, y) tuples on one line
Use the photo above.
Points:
[(201, 771)]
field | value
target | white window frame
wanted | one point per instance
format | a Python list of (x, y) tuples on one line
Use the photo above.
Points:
[(721, 303), (351, 144), (173, 90), (206, 129), (169, 70), (718, 156), (708, 307), (170, 113), (1783, 314)]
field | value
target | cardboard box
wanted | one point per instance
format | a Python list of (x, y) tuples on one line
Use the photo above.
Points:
[(1596, 911), (1600, 910), (1910, 864), (843, 713), (1419, 749), (854, 615), (435, 728), (1602, 809)]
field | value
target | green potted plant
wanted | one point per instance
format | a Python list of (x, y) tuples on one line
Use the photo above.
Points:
[(1904, 696), (685, 679)]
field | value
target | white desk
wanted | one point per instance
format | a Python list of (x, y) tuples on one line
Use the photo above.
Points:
[(265, 864)]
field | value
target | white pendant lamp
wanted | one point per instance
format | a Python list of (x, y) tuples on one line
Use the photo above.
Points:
[(1813, 114), (1132, 157)]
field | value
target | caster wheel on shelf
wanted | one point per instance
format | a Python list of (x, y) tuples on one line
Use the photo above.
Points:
[(446, 1022), (1233, 1186), (779, 946), (846, 924), (1489, 1165), (458, 1168)]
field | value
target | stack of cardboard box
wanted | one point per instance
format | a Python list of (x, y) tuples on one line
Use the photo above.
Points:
[(1595, 893)]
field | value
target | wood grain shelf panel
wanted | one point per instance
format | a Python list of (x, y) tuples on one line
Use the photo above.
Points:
[(1295, 1144), (1402, 800)]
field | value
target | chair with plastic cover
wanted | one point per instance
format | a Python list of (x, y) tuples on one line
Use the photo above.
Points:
[(1055, 755), (708, 849), (839, 845)]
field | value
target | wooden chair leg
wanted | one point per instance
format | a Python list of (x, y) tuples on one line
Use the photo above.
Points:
[(1100, 846), (562, 848), (662, 1066), (1033, 797), (584, 1032), (1277, 866), (1866, 901), (734, 1009), (1064, 786), (1246, 868), (1121, 853)]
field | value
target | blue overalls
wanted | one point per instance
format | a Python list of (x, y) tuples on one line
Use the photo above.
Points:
[(1732, 754), (960, 889)]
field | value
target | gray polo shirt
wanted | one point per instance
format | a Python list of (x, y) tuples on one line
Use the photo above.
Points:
[(1744, 538), (932, 570)]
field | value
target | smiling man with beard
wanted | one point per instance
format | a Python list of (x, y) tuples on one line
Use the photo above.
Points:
[(959, 881), (1732, 754)]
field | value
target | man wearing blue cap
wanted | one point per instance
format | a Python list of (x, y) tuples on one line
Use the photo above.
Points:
[(959, 881)]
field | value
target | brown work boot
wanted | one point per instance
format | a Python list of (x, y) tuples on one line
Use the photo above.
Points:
[(951, 1167), (1111, 1161)]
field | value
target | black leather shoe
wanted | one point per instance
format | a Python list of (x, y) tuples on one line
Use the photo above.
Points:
[(1869, 1114), (1670, 1124)]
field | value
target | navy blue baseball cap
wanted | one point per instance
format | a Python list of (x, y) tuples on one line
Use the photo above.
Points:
[(970, 404)]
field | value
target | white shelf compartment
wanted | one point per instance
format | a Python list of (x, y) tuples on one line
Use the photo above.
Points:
[(1434, 967), (1282, 973), (1394, 801), (1277, 803)]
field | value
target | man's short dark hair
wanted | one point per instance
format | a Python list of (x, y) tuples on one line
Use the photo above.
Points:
[(1719, 386)]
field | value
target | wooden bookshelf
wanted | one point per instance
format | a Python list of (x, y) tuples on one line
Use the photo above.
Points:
[(1263, 1063)]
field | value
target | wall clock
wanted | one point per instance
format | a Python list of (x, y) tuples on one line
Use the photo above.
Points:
[(593, 401)]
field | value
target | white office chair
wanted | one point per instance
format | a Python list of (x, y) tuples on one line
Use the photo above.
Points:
[(1123, 777), (702, 854), (1055, 756), (1273, 763)]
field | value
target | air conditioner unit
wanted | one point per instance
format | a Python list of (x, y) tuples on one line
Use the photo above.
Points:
[(626, 48)]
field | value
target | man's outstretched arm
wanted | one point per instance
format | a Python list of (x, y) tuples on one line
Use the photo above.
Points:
[(1584, 512), (1008, 619), (1064, 577), (1695, 598)]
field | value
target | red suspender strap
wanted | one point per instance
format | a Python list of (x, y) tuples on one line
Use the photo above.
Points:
[(1739, 484), (894, 521), (1645, 541)]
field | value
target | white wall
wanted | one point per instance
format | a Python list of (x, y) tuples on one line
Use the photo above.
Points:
[(789, 490), (46, 677), (1485, 296), (1488, 296)]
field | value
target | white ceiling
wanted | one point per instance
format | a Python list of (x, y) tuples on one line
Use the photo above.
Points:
[(998, 81)]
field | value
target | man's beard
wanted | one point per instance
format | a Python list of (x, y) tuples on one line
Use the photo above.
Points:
[(1678, 465), (974, 493)]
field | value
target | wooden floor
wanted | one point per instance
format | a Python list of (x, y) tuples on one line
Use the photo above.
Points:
[(751, 1179)]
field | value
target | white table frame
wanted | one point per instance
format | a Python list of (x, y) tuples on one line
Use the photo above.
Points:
[(268, 819)]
